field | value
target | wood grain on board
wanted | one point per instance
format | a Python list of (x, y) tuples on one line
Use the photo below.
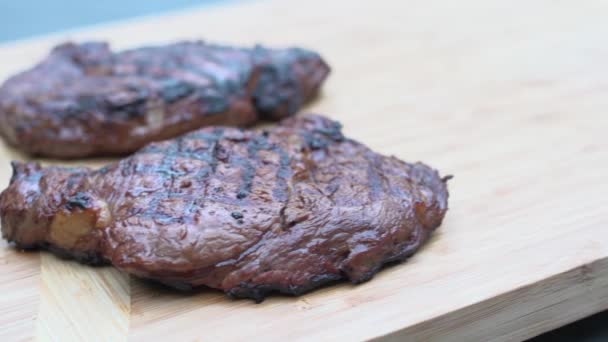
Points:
[(509, 96)]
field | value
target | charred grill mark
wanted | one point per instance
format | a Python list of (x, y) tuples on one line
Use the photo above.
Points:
[(126, 100), (278, 87), (173, 90), (257, 144), (166, 169), (263, 98), (277, 84), (166, 219), (215, 96), (81, 201), (332, 188), (195, 155), (254, 146), (314, 142), (88, 103), (201, 154), (215, 152), (171, 173), (333, 132), (154, 212), (152, 209), (375, 181), (141, 191), (285, 225), (71, 111), (321, 138), (247, 175), (146, 169), (281, 189), (219, 154), (170, 155), (282, 192), (129, 104), (229, 86), (213, 140), (214, 100), (127, 167)]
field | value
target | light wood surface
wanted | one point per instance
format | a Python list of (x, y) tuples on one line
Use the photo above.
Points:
[(509, 96)]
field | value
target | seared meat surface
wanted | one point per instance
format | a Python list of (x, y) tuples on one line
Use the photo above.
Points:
[(245, 211), (85, 100)]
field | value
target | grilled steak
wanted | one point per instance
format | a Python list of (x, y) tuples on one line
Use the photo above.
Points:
[(85, 100), (248, 212)]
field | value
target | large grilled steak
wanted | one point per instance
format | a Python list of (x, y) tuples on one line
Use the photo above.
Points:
[(85, 100), (245, 211)]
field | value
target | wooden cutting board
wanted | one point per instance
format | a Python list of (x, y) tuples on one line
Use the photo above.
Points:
[(509, 96)]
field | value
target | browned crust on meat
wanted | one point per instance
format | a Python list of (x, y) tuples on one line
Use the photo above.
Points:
[(249, 212), (85, 100)]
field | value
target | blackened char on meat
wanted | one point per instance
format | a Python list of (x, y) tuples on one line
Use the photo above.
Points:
[(86, 100), (245, 211)]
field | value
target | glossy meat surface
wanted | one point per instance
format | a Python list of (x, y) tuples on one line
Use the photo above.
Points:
[(245, 211), (85, 100)]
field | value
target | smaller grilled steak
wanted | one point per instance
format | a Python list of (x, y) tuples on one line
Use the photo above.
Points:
[(247, 212), (85, 100)]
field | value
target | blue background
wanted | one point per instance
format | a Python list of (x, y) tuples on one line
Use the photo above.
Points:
[(26, 18)]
